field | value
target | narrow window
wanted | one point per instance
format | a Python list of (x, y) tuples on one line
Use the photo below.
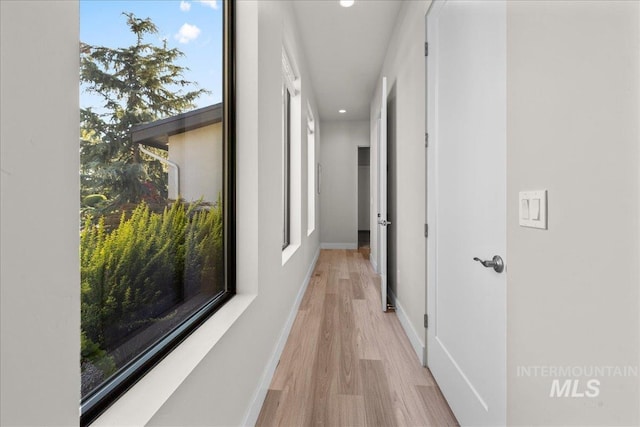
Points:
[(286, 165), (311, 172), (289, 94), (157, 152)]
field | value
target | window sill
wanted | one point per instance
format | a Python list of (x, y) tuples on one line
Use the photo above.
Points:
[(288, 252), (138, 405)]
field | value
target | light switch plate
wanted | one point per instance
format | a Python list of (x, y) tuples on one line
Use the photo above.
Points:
[(533, 209)]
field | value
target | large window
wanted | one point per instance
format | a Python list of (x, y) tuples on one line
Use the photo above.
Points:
[(157, 183)]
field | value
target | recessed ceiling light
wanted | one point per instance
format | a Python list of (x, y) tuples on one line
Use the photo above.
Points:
[(342, 111), (346, 3)]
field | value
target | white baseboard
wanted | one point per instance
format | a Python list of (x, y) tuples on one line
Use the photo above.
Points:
[(338, 246), (251, 417), (414, 338), (373, 262)]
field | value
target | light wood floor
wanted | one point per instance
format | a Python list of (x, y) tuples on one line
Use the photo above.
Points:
[(346, 363)]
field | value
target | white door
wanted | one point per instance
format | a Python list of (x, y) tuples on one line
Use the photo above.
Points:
[(382, 194), (466, 192)]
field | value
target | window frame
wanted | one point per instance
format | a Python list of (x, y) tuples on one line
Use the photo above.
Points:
[(286, 165), (100, 399)]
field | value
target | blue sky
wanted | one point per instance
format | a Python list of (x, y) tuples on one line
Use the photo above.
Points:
[(193, 26)]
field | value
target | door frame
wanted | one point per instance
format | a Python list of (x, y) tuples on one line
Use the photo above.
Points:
[(427, 216), (382, 160), (368, 147), (431, 195), (377, 206)]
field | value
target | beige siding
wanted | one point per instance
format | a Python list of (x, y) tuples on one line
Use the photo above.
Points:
[(198, 154)]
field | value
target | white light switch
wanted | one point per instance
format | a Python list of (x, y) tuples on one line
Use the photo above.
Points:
[(524, 209), (533, 209)]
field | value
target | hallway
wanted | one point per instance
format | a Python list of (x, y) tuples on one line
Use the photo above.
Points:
[(346, 363)]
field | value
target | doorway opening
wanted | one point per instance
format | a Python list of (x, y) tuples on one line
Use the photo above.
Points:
[(392, 195), (364, 200)]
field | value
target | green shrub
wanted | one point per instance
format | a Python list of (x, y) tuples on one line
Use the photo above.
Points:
[(91, 352), (147, 265)]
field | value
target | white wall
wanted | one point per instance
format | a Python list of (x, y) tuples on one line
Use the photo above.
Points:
[(573, 107), (404, 69), (339, 183), (39, 266), (40, 272)]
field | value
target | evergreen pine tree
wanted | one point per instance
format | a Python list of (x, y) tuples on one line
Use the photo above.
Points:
[(137, 84)]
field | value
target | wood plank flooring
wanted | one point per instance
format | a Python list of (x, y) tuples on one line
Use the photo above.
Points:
[(346, 363)]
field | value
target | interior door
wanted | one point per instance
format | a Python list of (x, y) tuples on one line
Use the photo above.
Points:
[(466, 193), (382, 194)]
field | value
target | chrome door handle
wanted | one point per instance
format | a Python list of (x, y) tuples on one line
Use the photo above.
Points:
[(496, 263), (384, 222)]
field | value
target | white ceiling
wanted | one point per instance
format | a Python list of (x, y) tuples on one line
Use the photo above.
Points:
[(345, 48)]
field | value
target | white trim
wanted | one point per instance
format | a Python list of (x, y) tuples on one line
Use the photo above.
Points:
[(288, 252), (338, 246), (139, 404), (310, 119), (251, 416), (414, 337), (373, 262), (290, 77)]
